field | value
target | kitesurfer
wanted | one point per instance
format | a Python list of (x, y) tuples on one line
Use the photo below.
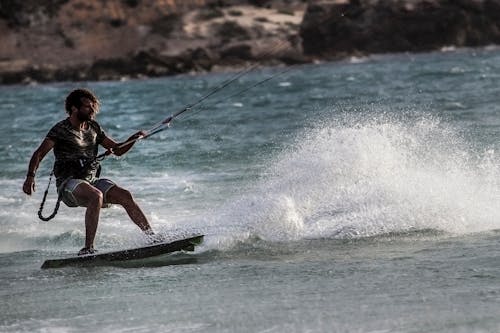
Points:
[(75, 142)]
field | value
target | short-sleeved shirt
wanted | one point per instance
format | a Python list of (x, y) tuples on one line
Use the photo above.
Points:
[(75, 150)]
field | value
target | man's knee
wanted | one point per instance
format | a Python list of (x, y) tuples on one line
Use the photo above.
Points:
[(120, 195), (96, 197), (127, 196), (88, 195)]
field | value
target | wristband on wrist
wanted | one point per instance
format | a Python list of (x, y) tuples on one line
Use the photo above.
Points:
[(30, 174)]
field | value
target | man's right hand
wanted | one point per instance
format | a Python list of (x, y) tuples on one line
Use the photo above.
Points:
[(29, 185)]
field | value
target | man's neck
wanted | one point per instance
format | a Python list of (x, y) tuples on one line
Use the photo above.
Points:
[(77, 123)]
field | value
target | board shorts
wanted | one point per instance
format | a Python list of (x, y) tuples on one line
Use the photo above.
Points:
[(68, 187)]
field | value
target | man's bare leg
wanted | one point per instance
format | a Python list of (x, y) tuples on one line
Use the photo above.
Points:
[(121, 196), (91, 198)]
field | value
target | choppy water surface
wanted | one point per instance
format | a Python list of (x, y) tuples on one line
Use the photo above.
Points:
[(352, 197)]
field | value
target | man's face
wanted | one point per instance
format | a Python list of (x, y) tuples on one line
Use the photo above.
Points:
[(87, 110)]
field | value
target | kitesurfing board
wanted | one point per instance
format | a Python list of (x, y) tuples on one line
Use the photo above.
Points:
[(187, 244)]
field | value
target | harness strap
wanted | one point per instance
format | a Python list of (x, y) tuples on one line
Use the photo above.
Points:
[(56, 208)]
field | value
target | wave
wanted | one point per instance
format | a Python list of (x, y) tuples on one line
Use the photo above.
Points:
[(358, 176)]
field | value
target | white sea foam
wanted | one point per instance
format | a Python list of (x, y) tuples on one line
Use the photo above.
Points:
[(360, 178)]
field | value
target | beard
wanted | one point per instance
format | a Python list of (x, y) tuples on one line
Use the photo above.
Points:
[(82, 116)]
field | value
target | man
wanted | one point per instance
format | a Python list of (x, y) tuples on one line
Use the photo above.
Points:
[(75, 141)]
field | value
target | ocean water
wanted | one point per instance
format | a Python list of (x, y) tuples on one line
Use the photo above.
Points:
[(355, 196)]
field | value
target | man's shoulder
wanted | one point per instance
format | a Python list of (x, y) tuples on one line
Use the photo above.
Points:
[(93, 123), (61, 124), (65, 123), (95, 126), (59, 128)]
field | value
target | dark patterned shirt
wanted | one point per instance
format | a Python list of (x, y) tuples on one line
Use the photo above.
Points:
[(75, 150)]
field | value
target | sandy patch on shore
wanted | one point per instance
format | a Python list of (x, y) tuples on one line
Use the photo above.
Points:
[(271, 20)]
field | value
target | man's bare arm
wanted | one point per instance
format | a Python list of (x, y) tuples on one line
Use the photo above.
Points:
[(38, 155), (121, 148)]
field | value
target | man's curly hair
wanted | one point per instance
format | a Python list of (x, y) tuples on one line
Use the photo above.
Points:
[(75, 99)]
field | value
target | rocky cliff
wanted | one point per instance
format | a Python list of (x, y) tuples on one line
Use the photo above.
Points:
[(364, 27), (55, 40), (48, 40)]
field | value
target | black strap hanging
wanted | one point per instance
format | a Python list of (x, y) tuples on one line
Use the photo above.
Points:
[(56, 208)]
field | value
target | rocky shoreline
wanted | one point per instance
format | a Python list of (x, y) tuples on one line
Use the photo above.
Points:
[(72, 40)]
